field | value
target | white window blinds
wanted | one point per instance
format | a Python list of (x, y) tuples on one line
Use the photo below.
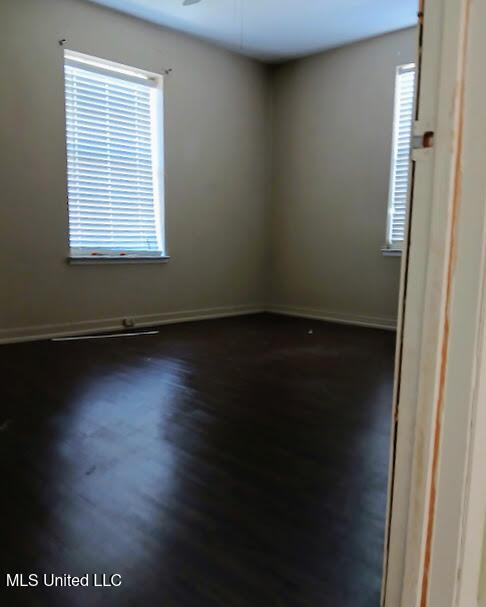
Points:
[(400, 168), (114, 134)]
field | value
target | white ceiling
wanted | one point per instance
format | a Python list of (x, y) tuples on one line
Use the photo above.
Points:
[(275, 30)]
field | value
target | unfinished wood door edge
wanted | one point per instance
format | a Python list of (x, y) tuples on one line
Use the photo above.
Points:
[(434, 355), (451, 264), (465, 543), (473, 492)]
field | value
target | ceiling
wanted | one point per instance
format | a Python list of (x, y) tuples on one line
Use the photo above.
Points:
[(276, 30)]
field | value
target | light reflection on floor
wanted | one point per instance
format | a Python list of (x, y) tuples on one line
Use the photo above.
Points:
[(117, 426)]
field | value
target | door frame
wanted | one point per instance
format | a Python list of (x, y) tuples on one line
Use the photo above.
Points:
[(434, 524)]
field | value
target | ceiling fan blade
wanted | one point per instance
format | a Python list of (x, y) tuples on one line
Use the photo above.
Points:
[(189, 2)]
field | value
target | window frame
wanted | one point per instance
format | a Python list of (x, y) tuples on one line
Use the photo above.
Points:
[(153, 81), (393, 247)]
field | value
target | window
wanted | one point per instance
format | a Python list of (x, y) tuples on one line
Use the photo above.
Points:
[(400, 166), (114, 154)]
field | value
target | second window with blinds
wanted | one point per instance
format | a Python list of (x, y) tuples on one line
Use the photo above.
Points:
[(400, 164), (115, 160)]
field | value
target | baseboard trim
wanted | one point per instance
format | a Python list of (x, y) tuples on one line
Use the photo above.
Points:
[(41, 332), (390, 324)]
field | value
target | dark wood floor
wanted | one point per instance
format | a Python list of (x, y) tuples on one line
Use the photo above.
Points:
[(231, 463)]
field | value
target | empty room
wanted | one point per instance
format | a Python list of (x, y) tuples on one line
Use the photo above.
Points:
[(206, 251)]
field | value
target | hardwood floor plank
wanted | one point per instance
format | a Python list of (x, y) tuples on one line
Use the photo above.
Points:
[(236, 462)]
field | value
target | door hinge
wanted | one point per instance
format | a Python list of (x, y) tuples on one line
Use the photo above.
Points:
[(423, 141)]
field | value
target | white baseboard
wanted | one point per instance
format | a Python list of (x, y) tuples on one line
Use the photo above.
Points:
[(390, 324), (86, 327)]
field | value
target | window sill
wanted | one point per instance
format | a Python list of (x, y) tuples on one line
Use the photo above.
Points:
[(105, 259), (389, 252)]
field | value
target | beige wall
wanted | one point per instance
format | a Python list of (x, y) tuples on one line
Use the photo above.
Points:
[(215, 104), (276, 178), (333, 116)]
